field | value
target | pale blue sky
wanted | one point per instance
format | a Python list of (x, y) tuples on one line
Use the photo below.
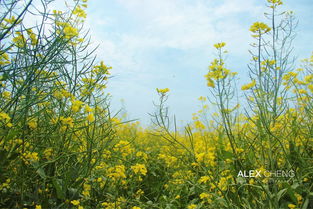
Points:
[(168, 43)]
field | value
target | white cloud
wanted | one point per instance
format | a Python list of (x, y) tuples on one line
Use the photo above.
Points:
[(161, 25), (176, 24), (129, 38)]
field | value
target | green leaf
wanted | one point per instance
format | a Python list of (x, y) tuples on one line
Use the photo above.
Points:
[(226, 155), (58, 185), (305, 204), (41, 173), (281, 193), (291, 194)]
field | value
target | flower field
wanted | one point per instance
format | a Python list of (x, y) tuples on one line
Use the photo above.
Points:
[(61, 146)]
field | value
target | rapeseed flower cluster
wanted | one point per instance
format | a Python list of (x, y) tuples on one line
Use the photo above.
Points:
[(163, 91), (259, 28)]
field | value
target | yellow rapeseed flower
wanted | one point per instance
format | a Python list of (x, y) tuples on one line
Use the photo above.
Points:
[(31, 156), (139, 169), (192, 206), (32, 124), (308, 78), (10, 20), (70, 32), (19, 40), (90, 118), (75, 202), (210, 83), (248, 86), (219, 45), (76, 105), (116, 172), (259, 28), (204, 195), (48, 153), (67, 121), (32, 36), (202, 99), (79, 12), (88, 109), (302, 91), (4, 58), (204, 179), (6, 94), (4, 117), (163, 91), (275, 3)]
